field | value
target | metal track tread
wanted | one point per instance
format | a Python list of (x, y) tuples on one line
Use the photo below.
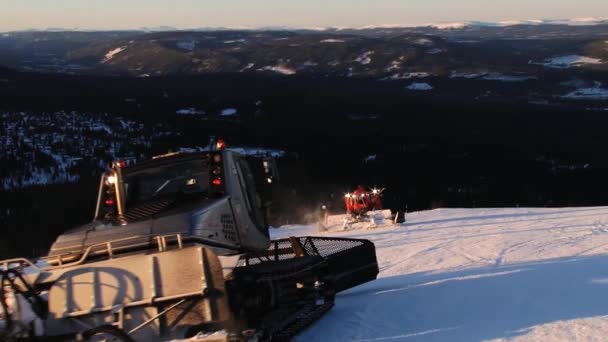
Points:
[(283, 291), (293, 293), (302, 319)]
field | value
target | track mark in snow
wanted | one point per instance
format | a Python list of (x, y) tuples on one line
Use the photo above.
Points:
[(417, 334), (501, 257), (586, 252), (424, 251), (441, 281), (471, 258)]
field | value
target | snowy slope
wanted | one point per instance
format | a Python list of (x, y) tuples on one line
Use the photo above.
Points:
[(477, 275)]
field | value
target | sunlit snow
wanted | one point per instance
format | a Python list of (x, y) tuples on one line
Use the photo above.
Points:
[(448, 26), (513, 274), (281, 69), (112, 53)]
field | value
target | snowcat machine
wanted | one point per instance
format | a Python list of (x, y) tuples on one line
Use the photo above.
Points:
[(361, 201), (179, 248)]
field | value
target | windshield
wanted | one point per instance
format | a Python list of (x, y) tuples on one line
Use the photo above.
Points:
[(173, 180)]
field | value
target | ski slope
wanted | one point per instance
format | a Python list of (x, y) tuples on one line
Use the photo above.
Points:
[(476, 275)]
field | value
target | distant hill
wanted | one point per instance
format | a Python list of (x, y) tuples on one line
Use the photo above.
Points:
[(540, 64), (395, 53)]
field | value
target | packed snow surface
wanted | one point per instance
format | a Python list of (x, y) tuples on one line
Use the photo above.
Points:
[(476, 275), (371, 157), (395, 65), (244, 150), (456, 74), (508, 78), (407, 76), (424, 41), (229, 112), (247, 67), (190, 111), (332, 40), (187, 45), (309, 64), (281, 69), (597, 92), (242, 40), (365, 58), (420, 86), (569, 61), (492, 76)]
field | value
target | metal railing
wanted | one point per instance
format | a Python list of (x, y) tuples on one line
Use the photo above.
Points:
[(107, 248)]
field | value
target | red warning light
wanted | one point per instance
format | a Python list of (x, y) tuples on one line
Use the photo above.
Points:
[(119, 163), (216, 181), (109, 201), (220, 144)]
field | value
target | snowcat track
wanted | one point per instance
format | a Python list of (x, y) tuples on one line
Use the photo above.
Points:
[(304, 318), (299, 278)]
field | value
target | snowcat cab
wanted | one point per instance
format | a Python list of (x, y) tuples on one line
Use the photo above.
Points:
[(195, 194), (179, 247), (361, 201)]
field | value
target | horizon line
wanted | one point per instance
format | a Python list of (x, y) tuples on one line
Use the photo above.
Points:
[(442, 25)]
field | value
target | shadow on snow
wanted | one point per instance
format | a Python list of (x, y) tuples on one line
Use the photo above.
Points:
[(469, 305)]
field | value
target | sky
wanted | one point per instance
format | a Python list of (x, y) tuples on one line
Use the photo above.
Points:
[(128, 14)]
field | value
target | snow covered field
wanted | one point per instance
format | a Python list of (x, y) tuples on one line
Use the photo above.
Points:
[(477, 275)]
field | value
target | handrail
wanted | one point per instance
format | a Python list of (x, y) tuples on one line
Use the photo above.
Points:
[(5, 264), (108, 248)]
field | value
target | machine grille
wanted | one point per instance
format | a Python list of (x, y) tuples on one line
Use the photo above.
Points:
[(147, 210), (228, 228)]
